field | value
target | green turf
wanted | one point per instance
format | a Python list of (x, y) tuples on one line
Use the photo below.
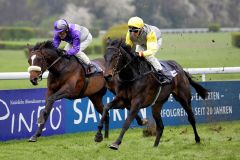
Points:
[(200, 50), (218, 141), (13, 61)]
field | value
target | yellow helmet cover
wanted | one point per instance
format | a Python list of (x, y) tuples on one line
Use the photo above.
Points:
[(136, 22)]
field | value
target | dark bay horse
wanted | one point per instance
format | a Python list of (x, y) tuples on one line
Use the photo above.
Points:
[(66, 79), (137, 85)]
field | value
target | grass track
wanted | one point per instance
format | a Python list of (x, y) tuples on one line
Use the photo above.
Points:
[(219, 141)]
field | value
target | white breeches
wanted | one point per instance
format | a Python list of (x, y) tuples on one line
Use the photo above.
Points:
[(83, 45), (152, 59)]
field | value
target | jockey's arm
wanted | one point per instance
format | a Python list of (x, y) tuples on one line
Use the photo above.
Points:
[(151, 44), (56, 41), (75, 46)]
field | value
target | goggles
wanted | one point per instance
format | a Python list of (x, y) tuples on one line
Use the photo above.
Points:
[(134, 29)]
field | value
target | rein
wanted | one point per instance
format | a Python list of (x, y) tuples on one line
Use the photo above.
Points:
[(115, 71), (54, 62)]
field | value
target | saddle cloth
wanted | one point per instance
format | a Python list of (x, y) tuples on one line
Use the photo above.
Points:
[(98, 69), (169, 69), (93, 70)]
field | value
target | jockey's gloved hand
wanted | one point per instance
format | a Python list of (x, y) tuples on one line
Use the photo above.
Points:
[(61, 52), (64, 53), (140, 54)]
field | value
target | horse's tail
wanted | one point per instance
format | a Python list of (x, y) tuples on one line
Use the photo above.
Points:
[(200, 89)]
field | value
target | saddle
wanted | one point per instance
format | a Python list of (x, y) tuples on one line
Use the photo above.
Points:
[(92, 69), (165, 76), (168, 72), (169, 69)]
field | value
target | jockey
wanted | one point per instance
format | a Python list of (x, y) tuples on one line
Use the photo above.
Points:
[(146, 40), (77, 37)]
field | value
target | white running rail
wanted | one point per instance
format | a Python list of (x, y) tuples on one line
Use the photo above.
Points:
[(202, 71)]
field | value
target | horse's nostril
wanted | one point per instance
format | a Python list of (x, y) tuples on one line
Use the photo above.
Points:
[(34, 81)]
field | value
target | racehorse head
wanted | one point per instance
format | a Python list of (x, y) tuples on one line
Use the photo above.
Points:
[(120, 60), (40, 58), (116, 57)]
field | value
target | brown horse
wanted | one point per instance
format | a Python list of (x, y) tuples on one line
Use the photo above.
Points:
[(66, 79), (137, 84)]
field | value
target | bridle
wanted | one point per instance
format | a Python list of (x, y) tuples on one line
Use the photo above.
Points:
[(119, 52), (37, 68)]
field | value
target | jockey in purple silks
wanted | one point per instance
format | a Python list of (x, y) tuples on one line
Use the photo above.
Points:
[(77, 37)]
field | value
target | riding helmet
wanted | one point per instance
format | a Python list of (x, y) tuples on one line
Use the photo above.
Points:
[(135, 22), (60, 25)]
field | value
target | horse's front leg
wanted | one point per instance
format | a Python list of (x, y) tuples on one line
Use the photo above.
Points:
[(99, 136), (140, 121), (42, 119), (156, 112), (44, 115), (132, 114)]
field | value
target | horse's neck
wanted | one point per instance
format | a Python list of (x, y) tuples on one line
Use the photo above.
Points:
[(136, 69), (63, 65), (129, 72), (144, 66)]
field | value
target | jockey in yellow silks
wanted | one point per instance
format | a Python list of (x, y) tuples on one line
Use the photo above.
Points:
[(146, 40)]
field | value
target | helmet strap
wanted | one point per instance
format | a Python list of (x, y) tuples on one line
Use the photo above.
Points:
[(140, 32), (67, 25)]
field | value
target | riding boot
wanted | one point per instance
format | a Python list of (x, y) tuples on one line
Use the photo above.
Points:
[(163, 78)]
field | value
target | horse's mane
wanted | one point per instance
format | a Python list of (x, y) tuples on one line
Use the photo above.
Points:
[(46, 44), (139, 66), (126, 47)]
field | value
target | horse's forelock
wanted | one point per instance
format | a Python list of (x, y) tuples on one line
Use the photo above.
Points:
[(125, 49), (120, 43), (113, 43)]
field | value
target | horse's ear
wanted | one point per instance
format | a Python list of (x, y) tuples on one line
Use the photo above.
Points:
[(30, 48), (120, 42), (109, 41)]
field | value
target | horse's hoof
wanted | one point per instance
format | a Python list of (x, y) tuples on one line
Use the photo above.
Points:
[(114, 146), (33, 139), (155, 145), (144, 122), (98, 137), (197, 140)]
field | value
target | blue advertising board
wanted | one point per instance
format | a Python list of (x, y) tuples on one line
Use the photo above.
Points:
[(19, 110)]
